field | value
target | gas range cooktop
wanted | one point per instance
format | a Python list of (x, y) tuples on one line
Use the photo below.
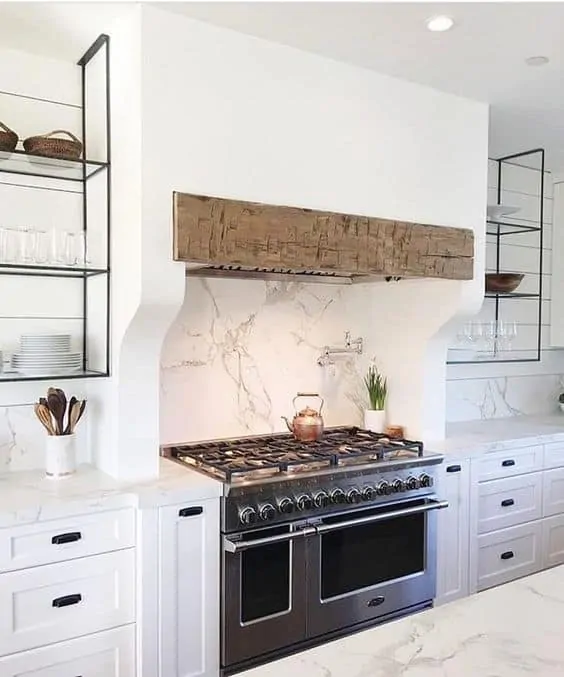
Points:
[(247, 458)]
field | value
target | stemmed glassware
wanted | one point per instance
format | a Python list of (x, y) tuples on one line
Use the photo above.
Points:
[(488, 338)]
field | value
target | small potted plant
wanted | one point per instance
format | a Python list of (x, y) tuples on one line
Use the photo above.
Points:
[(377, 386), (561, 401)]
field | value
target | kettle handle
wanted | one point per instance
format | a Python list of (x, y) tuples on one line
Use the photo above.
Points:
[(309, 395)]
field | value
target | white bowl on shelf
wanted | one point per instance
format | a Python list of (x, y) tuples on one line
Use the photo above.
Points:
[(497, 212)]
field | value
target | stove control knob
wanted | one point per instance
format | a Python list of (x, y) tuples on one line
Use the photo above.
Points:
[(267, 512), (304, 502), (383, 488), (368, 493), (248, 516), (398, 486), (286, 506), (412, 483), (425, 480), (353, 495), (321, 499), (337, 496)]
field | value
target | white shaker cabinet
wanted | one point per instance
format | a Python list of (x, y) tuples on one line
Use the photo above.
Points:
[(453, 531), (189, 551)]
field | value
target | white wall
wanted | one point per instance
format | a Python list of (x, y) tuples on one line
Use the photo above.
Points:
[(477, 391), (248, 119)]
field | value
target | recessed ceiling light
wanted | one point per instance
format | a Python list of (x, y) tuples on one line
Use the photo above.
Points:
[(440, 23), (537, 60)]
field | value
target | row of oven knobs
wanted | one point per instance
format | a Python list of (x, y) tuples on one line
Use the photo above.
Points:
[(323, 499)]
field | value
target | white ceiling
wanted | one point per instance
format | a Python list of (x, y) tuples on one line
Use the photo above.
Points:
[(481, 58)]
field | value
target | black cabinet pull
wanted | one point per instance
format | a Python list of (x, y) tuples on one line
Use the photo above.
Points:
[(377, 601), (509, 462), (453, 468), (66, 538), (507, 555), (190, 512), (68, 600), (507, 502)]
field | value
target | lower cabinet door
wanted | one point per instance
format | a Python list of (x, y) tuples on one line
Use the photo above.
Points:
[(105, 654), (553, 541), (508, 554)]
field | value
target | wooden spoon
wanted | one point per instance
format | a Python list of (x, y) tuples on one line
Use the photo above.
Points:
[(78, 408), (44, 415), (72, 402), (57, 409)]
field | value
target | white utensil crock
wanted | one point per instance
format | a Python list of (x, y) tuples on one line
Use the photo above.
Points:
[(375, 420), (60, 456)]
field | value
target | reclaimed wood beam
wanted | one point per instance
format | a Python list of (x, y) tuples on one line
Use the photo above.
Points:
[(218, 231)]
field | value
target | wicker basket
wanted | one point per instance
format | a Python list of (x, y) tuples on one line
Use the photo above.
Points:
[(48, 146), (8, 139)]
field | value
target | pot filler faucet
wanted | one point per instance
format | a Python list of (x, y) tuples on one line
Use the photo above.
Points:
[(351, 347)]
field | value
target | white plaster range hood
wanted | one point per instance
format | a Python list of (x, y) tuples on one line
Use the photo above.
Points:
[(231, 238)]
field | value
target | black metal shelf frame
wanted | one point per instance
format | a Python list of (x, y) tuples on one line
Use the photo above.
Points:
[(79, 172), (501, 229)]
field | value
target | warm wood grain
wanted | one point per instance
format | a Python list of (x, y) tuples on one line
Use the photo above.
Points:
[(212, 230)]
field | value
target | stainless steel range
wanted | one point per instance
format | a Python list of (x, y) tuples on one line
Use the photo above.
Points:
[(319, 539)]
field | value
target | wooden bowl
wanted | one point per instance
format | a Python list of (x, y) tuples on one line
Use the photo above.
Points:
[(503, 283)]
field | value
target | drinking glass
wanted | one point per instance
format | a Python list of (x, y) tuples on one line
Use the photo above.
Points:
[(10, 245), (58, 248), (26, 245), (71, 249), (41, 247)]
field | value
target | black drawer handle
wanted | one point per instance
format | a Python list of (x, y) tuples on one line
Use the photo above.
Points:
[(507, 502), (68, 600), (377, 601), (454, 468), (508, 463), (190, 512), (66, 538), (507, 555)]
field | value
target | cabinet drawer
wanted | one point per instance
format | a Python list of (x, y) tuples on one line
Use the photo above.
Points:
[(554, 455), (105, 654), (510, 501), (58, 540), (508, 554), (553, 492), (56, 602), (511, 462), (553, 541)]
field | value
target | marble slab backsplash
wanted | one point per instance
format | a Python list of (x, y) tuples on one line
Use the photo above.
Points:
[(240, 350), (503, 396), (22, 439)]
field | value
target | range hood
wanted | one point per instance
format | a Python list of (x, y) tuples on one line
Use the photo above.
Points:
[(215, 236)]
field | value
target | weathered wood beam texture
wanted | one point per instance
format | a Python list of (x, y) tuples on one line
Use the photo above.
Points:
[(217, 231)]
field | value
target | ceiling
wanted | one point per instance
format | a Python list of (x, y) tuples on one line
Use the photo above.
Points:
[(481, 58)]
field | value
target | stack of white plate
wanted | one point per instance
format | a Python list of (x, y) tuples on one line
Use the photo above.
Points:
[(46, 355)]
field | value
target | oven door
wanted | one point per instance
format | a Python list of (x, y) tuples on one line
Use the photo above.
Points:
[(263, 592), (371, 563)]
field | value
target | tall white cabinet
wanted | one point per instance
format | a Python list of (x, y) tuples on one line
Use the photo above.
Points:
[(453, 532)]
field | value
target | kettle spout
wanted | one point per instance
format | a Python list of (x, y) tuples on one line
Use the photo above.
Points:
[(290, 427)]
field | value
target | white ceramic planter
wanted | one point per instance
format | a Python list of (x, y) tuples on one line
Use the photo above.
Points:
[(60, 456), (375, 420)]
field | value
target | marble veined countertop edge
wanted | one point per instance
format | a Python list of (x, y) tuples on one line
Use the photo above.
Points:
[(473, 438), (28, 496), (514, 630)]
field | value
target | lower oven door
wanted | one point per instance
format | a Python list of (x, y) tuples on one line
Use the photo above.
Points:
[(371, 563), (263, 592)]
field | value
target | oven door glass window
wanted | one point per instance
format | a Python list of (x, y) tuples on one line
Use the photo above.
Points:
[(362, 556), (265, 579)]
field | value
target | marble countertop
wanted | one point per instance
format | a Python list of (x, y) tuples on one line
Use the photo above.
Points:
[(471, 438), (515, 630), (30, 497)]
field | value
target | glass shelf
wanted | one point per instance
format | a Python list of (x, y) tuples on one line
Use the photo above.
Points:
[(20, 162), (504, 228), (50, 271), (509, 295), (12, 376)]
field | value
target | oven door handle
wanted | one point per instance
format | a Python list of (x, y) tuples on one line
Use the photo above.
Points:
[(416, 510), (238, 546)]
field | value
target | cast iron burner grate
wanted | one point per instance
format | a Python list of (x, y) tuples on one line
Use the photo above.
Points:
[(271, 454)]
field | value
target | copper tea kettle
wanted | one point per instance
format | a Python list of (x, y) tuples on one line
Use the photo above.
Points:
[(307, 424)]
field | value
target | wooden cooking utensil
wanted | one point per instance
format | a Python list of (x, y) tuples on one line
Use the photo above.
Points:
[(44, 415), (81, 408), (57, 409), (72, 402)]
